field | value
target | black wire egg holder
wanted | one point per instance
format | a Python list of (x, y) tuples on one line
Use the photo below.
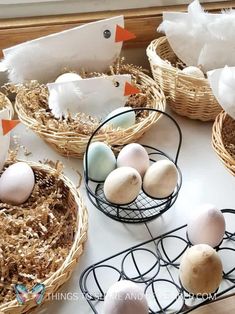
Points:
[(144, 207), (158, 276)]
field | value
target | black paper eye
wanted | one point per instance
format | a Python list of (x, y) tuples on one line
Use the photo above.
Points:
[(107, 34), (116, 84)]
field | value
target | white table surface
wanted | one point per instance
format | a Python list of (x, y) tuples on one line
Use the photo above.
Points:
[(205, 180)]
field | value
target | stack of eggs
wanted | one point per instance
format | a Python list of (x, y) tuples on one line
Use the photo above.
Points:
[(125, 176), (16, 184), (201, 267)]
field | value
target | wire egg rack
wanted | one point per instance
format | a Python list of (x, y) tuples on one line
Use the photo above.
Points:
[(153, 266), (144, 207)]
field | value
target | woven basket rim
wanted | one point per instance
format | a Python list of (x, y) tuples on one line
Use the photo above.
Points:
[(218, 143), (167, 65), (7, 105), (73, 144), (57, 278)]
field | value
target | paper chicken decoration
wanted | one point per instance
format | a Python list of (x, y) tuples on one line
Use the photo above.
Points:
[(92, 47), (199, 38), (222, 82), (96, 96), (6, 126)]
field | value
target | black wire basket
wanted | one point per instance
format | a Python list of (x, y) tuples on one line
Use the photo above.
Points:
[(143, 208), (152, 265)]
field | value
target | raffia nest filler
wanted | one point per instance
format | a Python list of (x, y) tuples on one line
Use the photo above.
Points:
[(223, 140), (42, 239), (69, 136), (186, 95)]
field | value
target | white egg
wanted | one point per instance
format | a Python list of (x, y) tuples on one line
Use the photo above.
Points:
[(206, 226), (101, 161), (194, 71), (122, 185), (68, 77), (123, 121), (16, 183), (160, 179), (134, 155), (201, 270), (125, 297)]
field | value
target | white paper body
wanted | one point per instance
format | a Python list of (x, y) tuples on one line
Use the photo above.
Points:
[(82, 47), (4, 140), (96, 96), (222, 82), (201, 39)]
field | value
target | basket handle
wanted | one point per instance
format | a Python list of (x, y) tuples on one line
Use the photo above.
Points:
[(130, 110)]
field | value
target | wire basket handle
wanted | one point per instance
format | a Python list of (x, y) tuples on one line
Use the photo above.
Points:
[(131, 110)]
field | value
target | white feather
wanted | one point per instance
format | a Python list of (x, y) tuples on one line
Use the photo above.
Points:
[(223, 27), (64, 100), (222, 82)]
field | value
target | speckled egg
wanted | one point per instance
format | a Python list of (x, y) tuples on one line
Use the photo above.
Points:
[(122, 185), (134, 155), (16, 183), (201, 270), (160, 179), (100, 161), (123, 121), (68, 77), (125, 297), (206, 226)]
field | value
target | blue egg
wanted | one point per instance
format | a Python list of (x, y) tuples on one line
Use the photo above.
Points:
[(101, 161), (123, 121)]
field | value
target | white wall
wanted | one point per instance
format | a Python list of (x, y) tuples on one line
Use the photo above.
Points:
[(7, 9)]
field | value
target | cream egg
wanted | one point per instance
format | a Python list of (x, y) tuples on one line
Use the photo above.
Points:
[(193, 71), (16, 183), (123, 121), (160, 179), (206, 226), (125, 297), (134, 155), (201, 270), (100, 161), (122, 185), (68, 77)]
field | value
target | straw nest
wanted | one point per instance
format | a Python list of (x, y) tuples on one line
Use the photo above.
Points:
[(42, 239), (69, 136), (223, 140), (187, 95), (5, 103)]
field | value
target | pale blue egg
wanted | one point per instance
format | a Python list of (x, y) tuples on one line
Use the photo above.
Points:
[(101, 161), (123, 121)]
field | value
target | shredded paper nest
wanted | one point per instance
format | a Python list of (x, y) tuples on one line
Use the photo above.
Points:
[(34, 100), (36, 236), (228, 135)]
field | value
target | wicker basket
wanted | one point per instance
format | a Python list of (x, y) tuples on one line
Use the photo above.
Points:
[(223, 140), (75, 204), (5, 103), (74, 144), (188, 96)]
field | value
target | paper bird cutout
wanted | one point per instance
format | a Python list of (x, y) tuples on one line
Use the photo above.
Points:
[(8, 125)]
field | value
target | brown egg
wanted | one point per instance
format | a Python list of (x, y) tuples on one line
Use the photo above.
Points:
[(122, 185), (201, 270)]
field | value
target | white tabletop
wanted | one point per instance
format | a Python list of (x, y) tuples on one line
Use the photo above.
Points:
[(205, 180)]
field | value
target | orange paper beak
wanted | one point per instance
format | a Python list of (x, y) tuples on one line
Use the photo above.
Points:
[(123, 34), (8, 125), (130, 90)]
